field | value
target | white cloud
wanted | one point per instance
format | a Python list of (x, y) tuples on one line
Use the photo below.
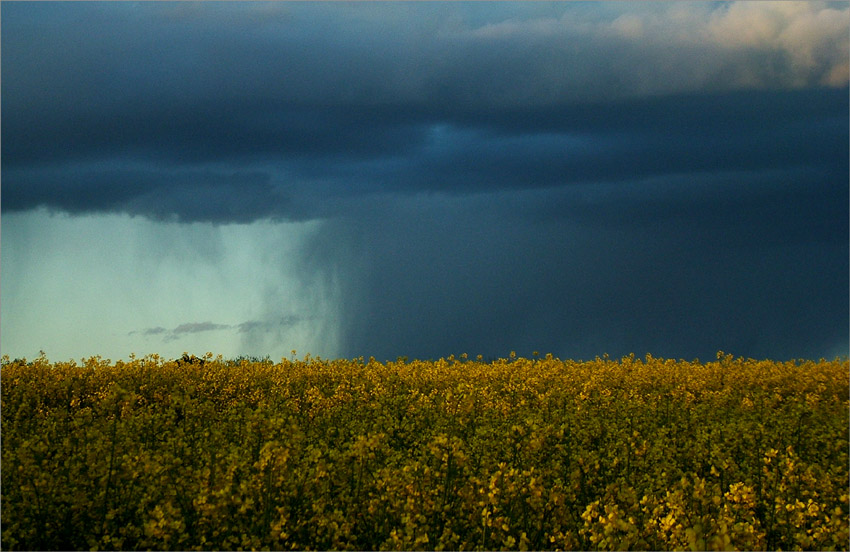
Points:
[(649, 48), (814, 36)]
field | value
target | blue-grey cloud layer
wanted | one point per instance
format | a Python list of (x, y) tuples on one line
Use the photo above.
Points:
[(674, 167)]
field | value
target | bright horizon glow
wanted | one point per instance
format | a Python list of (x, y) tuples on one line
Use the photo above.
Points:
[(112, 285)]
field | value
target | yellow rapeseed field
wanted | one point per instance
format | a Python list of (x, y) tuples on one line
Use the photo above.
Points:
[(452, 454)]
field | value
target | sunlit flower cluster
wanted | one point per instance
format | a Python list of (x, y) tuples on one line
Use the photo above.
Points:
[(451, 454)]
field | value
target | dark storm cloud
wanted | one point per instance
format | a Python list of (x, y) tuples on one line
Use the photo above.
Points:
[(511, 149), (256, 327), (234, 113), (195, 327), (187, 195), (273, 323), (177, 332), (569, 177), (633, 139), (473, 276)]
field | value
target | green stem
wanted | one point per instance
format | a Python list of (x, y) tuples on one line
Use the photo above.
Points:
[(109, 473)]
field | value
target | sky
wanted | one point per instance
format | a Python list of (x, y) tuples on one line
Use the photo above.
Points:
[(425, 179)]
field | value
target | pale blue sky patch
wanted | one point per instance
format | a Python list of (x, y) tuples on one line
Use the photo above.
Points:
[(113, 285)]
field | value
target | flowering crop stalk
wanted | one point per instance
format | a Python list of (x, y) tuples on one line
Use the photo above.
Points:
[(113, 439), (541, 454)]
